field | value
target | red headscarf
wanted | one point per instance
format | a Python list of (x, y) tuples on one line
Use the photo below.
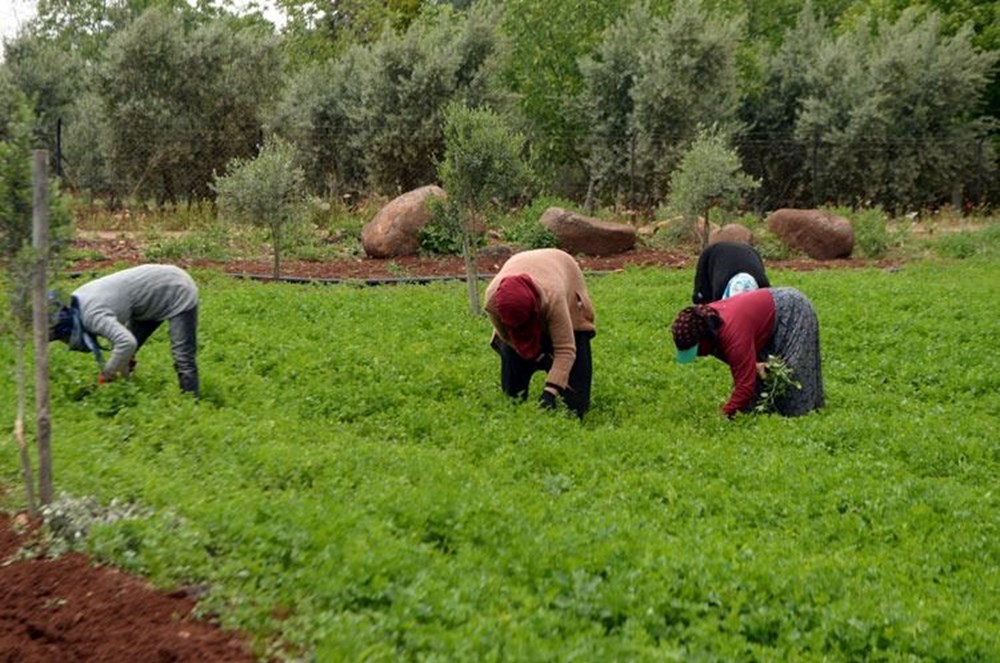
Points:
[(517, 303)]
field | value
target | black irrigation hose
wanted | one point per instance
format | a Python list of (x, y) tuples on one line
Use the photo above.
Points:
[(419, 280), (305, 280), (389, 280)]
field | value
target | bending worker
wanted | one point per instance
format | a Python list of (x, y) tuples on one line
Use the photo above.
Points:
[(743, 331), (726, 269), (543, 320), (126, 308)]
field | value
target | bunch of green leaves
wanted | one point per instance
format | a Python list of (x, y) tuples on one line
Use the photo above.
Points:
[(871, 235), (778, 380)]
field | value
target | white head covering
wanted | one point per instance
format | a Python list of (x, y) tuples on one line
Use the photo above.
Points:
[(740, 283)]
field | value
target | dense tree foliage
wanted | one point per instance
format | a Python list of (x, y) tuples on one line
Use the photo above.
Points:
[(548, 37), (178, 105), (15, 170), (841, 101), (892, 107), (651, 84), (374, 117)]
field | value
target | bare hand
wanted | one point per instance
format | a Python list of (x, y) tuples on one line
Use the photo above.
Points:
[(761, 370)]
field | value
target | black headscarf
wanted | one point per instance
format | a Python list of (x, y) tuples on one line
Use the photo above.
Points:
[(68, 326)]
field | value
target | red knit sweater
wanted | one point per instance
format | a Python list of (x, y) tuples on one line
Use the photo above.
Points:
[(747, 327)]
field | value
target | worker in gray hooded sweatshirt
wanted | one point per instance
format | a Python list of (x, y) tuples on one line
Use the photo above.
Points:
[(126, 308)]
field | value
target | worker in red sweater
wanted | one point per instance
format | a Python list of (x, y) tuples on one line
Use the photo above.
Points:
[(743, 331)]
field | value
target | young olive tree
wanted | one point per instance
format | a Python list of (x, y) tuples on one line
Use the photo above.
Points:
[(19, 262), (268, 191), (482, 168), (15, 236), (709, 175)]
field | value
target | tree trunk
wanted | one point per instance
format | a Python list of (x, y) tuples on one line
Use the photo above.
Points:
[(471, 276), (276, 236)]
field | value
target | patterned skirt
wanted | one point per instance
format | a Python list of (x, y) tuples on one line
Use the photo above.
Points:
[(796, 341)]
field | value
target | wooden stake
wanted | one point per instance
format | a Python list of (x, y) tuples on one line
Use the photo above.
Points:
[(40, 320)]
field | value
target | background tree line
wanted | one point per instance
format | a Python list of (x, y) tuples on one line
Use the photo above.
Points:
[(832, 101)]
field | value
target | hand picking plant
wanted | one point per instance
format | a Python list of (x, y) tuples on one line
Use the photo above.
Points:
[(777, 381)]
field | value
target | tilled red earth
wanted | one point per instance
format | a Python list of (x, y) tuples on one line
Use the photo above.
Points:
[(117, 250), (68, 610)]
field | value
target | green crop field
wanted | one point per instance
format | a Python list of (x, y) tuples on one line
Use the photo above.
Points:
[(354, 486)]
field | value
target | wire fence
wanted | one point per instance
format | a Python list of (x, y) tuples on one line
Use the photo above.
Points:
[(900, 171)]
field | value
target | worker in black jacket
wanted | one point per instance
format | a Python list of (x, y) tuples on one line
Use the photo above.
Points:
[(724, 262)]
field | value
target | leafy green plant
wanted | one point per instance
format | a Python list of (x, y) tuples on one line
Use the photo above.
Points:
[(364, 490), (969, 243), (871, 234), (770, 246), (442, 234), (208, 243)]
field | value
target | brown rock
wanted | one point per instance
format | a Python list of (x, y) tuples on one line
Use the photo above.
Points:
[(395, 230), (731, 232), (576, 233), (821, 235)]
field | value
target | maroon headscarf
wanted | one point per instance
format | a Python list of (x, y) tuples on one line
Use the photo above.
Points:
[(692, 326), (517, 303)]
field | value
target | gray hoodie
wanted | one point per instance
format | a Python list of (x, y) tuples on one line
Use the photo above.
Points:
[(149, 292)]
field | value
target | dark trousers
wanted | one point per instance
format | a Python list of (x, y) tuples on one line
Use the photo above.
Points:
[(516, 371), (183, 344)]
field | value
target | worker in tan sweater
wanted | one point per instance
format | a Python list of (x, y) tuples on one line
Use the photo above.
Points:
[(543, 320)]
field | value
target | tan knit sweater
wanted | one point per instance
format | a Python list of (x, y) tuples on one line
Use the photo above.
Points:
[(565, 304)]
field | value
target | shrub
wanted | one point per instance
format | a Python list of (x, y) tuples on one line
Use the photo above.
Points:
[(442, 234), (525, 229), (209, 243), (870, 233), (978, 242)]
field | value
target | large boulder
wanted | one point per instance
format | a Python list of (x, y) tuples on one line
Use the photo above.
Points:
[(395, 230), (821, 235), (576, 233), (731, 232)]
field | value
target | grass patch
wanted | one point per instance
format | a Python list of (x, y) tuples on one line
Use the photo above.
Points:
[(353, 485)]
